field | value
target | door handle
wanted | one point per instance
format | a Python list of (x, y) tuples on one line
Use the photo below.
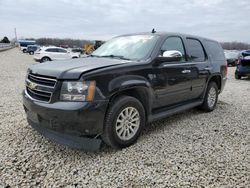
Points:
[(185, 71), (208, 68)]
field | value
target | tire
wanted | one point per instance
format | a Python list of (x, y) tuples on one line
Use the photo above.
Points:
[(237, 77), (211, 98), (118, 128), (24, 50), (74, 57), (31, 52), (44, 59)]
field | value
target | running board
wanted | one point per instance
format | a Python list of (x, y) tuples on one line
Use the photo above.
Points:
[(172, 111)]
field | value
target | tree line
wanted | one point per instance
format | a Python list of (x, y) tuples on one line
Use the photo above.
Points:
[(72, 43), (5, 40), (80, 43), (235, 46)]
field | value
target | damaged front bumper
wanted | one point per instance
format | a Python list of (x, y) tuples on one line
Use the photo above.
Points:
[(74, 124)]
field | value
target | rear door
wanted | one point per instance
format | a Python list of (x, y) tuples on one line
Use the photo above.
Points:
[(62, 54), (177, 85), (199, 65), (52, 53)]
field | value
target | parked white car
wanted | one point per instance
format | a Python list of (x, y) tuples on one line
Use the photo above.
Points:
[(54, 53)]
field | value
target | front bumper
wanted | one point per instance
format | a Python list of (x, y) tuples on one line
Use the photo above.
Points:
[(37, 59), (74, 124)]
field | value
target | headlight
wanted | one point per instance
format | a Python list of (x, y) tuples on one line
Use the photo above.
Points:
[(77, 91)]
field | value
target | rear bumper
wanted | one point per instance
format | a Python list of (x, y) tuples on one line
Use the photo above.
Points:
[(242, 70), (67, 123), (223, 83), (231, 62)]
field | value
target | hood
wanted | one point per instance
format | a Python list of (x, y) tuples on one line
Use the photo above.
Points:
[(72, 69)]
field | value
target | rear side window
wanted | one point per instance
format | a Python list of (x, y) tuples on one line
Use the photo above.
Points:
[(215, 50), (195, 49), (51, 50)]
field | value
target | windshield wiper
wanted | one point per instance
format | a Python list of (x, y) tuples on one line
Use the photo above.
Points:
[(94, 55), (115, 56)]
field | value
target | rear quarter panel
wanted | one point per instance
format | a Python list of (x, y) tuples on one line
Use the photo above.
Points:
[(217, 59)]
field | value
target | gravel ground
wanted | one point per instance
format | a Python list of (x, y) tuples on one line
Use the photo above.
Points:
[(191, 149)]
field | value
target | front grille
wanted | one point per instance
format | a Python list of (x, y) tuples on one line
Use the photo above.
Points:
[(39, 87), (47, 81)]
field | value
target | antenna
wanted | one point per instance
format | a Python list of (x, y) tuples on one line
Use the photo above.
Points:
[(153, 30)]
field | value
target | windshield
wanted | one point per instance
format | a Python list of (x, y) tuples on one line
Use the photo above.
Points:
[(134, 47), (231, 55)]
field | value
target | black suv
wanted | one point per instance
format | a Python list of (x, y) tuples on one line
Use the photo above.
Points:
[(128, 82)]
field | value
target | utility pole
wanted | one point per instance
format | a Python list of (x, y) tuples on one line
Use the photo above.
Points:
[(15, 35)]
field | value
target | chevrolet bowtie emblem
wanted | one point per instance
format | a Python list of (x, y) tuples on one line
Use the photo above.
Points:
[(32, 85)]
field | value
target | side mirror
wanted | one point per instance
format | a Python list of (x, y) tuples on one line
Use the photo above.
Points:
[(169, 56), (172, 53)]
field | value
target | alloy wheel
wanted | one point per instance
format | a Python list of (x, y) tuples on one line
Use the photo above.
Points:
[(127, 123), (211, 99)]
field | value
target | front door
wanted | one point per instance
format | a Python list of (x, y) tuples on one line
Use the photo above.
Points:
[(177, 86)]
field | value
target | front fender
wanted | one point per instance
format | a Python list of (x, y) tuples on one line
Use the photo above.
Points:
[(127, 82), (136, 86)]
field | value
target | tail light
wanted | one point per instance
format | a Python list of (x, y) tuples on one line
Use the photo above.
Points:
[(226, 68), (237, 62)]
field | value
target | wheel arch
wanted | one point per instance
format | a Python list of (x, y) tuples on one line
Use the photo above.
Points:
[(217, 79), (46, 57), (140, 93), (213, 78)]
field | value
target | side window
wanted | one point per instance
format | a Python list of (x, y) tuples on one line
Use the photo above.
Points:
[(215, 50), (174, 43), (61, 50), (195, 49), (51, 50)]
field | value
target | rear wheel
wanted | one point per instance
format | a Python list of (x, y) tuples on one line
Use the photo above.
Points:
[(237, 77), (24, 50), (211, 97), (124, 122), (44, 59), (31, 52)]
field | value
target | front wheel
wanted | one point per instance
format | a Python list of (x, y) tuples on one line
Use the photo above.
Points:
[(211, 97), (31, 52), (124, 122)]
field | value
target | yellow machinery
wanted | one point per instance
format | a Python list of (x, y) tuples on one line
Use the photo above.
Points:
[(89, 48)]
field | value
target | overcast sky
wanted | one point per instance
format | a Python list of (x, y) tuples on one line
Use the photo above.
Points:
[(223, 20)]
